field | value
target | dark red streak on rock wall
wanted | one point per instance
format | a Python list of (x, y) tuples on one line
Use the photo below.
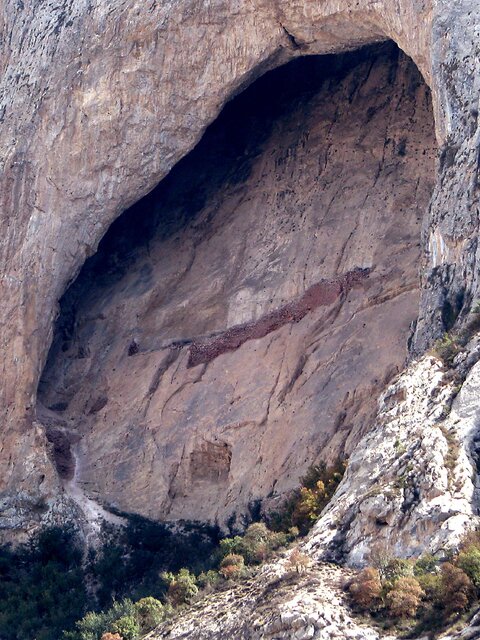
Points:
[(323, 293)]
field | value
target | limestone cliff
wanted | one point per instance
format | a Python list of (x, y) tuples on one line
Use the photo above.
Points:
[(251, 328), (239, 324)]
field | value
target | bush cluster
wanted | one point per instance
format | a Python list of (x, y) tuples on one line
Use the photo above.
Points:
[(42, 586), (142, 571), (124, 620), (306, 504), (138, 556), (427, 592), (231, 560)]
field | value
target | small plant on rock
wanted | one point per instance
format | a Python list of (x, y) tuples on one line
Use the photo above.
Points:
[(447, 348), (232, 566), (298, 561)]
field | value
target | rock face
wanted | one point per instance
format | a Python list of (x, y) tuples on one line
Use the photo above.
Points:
[(240, 322), (205, 357), (98, 102), (412, 483)]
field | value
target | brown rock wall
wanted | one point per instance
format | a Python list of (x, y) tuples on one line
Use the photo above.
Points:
[(242, 320), (99, 100)]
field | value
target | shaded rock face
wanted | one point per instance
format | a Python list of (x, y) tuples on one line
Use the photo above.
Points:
[(98, 101), (240, 322)]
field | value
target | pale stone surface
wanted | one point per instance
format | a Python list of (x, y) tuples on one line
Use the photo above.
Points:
[(412, 483)]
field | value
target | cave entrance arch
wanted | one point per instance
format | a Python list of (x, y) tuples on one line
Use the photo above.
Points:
[(238, 323)]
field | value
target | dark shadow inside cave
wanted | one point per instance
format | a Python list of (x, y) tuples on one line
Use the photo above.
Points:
[(238, 323)]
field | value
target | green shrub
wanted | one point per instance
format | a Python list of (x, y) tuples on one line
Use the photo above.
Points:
[(397, 568), (182, 587), (149, 613), (93, 625), (208, 579), (231, 545), (256, 545), (469, 562), (431, 584), (425, 564), (127, 627)]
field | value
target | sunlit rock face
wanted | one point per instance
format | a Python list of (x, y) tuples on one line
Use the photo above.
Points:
[(239, 323)]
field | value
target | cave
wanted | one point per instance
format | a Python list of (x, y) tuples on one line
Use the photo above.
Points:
[(238, 323)]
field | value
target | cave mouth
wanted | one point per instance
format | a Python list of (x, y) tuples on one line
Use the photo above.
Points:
[(237, 324)]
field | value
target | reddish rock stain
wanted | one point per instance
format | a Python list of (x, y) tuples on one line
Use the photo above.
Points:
[(323, 293)]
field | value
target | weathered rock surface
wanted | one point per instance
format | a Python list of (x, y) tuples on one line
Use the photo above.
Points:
[(276, 603), (265, 300), (98, 101), (412, 483)]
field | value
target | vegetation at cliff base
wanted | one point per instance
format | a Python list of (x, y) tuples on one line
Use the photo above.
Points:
[(420, 595), (42, 586), (234, 558), (143, 571), (304, 506), (48, 584)]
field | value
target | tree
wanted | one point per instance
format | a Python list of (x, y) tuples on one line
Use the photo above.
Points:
[(405, 597), (366, 588), (183, 587), (469, 562), (456, 589)]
